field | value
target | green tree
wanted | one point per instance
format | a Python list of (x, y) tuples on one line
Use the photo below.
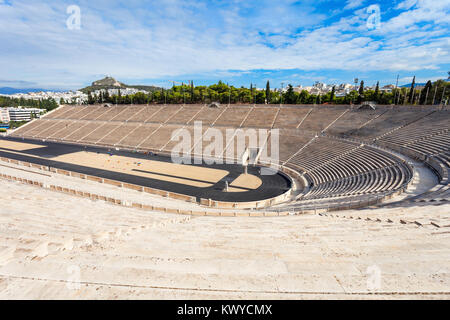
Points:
[(268, 96), (333, 94), (376, 96), (91, 99), (361, 92), (441, 91), (425, 93), (290, 97), (192, 91), (318, 99), (411, 91), (303, 97), (106, 97), (260, 97)]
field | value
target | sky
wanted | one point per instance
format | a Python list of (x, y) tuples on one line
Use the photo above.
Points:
[(69, 44)]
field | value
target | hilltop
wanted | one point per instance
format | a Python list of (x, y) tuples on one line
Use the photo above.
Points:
[(111, 83)]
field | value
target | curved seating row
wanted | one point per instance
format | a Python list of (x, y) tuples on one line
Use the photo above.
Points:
[(371, 182)]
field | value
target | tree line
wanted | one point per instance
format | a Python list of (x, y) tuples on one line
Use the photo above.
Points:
[(47, 104), (432, 93)]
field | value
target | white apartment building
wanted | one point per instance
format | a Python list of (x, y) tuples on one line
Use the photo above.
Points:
[(388, 88), (4, 115), (321, 86), (23, 114), (298, 88)]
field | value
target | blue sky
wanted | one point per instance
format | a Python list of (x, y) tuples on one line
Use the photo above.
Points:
[(236, 41)]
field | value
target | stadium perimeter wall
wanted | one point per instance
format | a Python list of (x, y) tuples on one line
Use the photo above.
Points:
[(351, 204), (167, 194), (248, 213)]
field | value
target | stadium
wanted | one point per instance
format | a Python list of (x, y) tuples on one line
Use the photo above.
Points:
[(355, 192)]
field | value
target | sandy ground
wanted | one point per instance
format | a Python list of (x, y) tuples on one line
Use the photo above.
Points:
[(165, 171), (178, 173), (55, 246), (49, 178), (107, 190), (245, 182), (19, 146)]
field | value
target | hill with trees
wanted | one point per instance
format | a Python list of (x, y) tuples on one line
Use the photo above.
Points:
[(111, 83)]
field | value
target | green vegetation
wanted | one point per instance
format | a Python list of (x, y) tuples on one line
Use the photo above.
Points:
[(3, 130), (224, 93), (439, 91), (268, 92), (16, 124), (47, 104), (219, 92), (361, 92), (411, 91)]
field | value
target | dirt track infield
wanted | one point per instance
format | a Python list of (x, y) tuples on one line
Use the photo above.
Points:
[(152, 171)]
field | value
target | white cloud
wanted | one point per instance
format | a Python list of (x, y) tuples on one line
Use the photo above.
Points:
[(407, 4), (426, 11), (174, 38), (352, 4)]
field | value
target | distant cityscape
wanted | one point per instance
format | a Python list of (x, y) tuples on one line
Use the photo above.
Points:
[(69, 97), (341, 90)]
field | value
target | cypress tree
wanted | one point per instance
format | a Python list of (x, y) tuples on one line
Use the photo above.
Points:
[(90, 98), (290, 95), (411, 91), (268, 92), (106, 96), (333, 93), (361, 88), (377, 92), (424, 93), (361, 92)]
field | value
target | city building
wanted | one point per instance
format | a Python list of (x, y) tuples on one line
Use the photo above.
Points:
[(69, 96), (4, 115), (341, 90), (388, 88), (23, 114), (298, 88)]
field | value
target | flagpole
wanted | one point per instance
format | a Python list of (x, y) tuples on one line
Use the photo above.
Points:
[(434, 96)]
